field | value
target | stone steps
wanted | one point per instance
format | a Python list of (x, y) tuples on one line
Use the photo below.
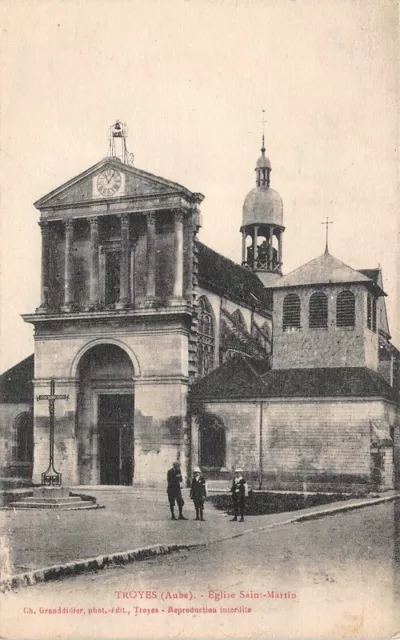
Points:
[(58, 498)]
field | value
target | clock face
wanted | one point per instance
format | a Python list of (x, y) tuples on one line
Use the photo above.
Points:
[(108, 182)]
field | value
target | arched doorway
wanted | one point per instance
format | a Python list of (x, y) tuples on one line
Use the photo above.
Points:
[(212, 443), (105, 416)]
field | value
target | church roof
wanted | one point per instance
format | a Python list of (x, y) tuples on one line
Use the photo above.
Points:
[(16, 384), (224, 276), (372, 274), (244, 378), (239, 377), (324, 382), (326, 269)]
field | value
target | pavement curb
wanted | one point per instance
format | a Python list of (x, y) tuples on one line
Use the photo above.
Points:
[(314, 516), (98, 563)]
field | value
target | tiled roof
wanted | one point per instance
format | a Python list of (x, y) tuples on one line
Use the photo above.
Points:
[(16, 384), (372, 274), (356, 382), (238, 377), (224, 276), (243, 377), (326, 269)]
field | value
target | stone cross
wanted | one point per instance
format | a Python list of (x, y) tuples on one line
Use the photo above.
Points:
[(51, 477)]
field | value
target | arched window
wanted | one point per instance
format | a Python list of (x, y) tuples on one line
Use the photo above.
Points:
[(291, 312), (212, 442), (318, 311), (345, 309), (205, 338), (22, 438), (371, 313), (239, 319)]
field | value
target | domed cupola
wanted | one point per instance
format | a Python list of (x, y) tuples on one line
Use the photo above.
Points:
[(262, 226)]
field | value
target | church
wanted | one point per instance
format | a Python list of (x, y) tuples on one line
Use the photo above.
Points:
[(162, 349)]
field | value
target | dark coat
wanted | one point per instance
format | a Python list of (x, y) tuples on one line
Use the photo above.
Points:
[(238, 489), (198, 490), (174, 478)]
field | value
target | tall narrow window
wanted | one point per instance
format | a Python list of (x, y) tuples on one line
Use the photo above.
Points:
[(212, 442), (345, 309), (318, 311), (374, 315), (22, 438), (371, 313), (112, 277), (205, 338), (291, 312)]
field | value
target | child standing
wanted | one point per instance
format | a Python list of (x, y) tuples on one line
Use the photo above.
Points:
[(198, 492), (239, 491)]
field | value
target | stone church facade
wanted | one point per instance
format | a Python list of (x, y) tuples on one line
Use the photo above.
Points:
[(167, 349)]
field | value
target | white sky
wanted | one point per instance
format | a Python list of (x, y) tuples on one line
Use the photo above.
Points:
[(190, 79)]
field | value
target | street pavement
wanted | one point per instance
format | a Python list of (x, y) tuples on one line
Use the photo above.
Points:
[(132, 518), (339, 576)]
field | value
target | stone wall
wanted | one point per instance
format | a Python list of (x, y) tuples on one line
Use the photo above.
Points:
[(158, 350), (331, 347), (305, 444)]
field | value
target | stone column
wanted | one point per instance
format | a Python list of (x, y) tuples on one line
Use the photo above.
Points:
[(178, 255), (255, 241), (68, 277), (244, 247), (44, 288), (151, 256), (280, 249), (124, 264), (271, 251), (188, 266), (94, 263)]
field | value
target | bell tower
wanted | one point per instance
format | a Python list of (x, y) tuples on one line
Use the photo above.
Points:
[(262, 226)]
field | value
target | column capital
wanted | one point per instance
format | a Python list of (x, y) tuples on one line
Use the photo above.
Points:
[(151, 218), (69, 224), (179, 215), (124, 217), (94, 221), (43, 224)]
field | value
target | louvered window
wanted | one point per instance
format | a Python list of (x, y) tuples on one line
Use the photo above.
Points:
[(345, 309), (371, 313), (291, 312), (318, 311)]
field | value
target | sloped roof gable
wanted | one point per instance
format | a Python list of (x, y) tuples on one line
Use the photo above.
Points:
[(224, 276), (326, 269), (137, 183), (16, 384)]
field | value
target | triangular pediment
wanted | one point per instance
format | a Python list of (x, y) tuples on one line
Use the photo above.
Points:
[(109, 179)]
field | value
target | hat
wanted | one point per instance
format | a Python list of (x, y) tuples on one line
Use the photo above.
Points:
[(238, 470), (196, 470), (176, 464)]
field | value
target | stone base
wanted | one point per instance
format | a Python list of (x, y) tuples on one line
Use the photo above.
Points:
[(53, 498)]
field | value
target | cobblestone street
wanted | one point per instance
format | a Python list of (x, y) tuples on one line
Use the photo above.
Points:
[(343, 570)]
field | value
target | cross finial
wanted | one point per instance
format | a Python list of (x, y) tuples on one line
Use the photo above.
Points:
[(326, 223), (263, 130)]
